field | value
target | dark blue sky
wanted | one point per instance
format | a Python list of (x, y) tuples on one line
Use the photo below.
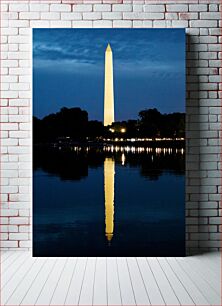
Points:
[(149, 70)]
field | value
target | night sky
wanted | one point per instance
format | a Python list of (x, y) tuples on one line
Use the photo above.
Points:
[(68, 70)]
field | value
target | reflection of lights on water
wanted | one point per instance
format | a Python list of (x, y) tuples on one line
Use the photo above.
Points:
[(123, 159), (132, 149), (141, 149)]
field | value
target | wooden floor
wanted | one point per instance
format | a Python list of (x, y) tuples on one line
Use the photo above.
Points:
[(192, 280)]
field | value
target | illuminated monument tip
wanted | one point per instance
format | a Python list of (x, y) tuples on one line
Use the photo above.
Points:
[(108, 90), (109, 237), (108, 48)]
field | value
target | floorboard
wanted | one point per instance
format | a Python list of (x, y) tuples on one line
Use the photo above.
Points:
[(100, 283), (36, 287), (153, 290), (179, 289), (10, 261), (49, 287), (211, 261), (168, 292), (86, 294), (4, 255), (208, 292), (137, 281), (213, 279), (73, 293), (23, 287), (14, 282), (12, 270), (62, 287), (193, 280), (190, 286), (113, 283), (127, 292)]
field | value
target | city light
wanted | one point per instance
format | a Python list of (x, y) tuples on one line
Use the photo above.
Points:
[(123, 159), (141, 139), (123, 130)]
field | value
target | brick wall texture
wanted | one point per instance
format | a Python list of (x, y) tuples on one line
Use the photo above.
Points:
[(201, 18)]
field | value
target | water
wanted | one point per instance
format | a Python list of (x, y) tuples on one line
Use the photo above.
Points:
[(109, 202)]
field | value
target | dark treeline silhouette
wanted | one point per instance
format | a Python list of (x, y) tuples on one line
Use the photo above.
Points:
[(152, 123), (73, 123), (72, 165)]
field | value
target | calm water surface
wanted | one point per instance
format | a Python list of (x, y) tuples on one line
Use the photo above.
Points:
[(109, 202)]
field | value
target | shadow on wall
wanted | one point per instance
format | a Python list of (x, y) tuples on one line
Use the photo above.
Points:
[(193, 170)]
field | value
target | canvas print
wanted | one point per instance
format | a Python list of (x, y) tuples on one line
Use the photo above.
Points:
[(108, 142)]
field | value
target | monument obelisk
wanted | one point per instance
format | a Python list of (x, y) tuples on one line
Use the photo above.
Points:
[(108, 90)]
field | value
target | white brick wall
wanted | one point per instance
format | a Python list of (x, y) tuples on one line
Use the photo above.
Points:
[(201, 19)]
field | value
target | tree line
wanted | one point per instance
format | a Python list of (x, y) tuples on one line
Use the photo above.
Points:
[(74, 123)]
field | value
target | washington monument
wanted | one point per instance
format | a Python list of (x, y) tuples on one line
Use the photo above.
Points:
[(108, 90)]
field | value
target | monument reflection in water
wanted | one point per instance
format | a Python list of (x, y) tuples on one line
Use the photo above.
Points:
[(109, 185), (111, 201)]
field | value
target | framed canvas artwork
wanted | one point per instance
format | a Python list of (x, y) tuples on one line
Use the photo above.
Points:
[(108, 142)]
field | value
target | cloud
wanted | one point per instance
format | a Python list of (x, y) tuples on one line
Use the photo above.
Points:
[(67, 66), (82, 50)]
